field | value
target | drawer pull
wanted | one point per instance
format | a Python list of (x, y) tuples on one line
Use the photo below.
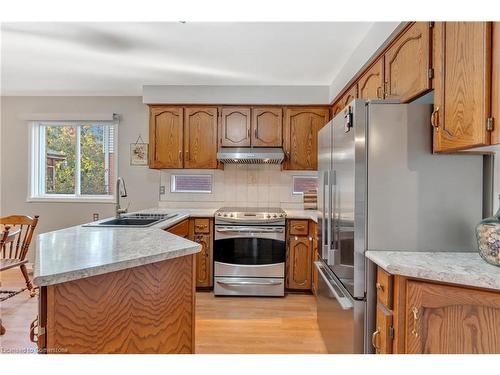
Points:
[(379, 287), (33, 327), (374, 339), (414, 311), (299, 227)]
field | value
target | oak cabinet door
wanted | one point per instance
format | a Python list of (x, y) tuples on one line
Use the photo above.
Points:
[(448, 319), (462, 85), (371, 83), (267, 127), (299, 263), (383, 336), (235, 127), (301, 137), (495, 81), (337, 107), (165, 137), (349, 96), (203, 261), (200, 138), (407, 64), (315, 254)]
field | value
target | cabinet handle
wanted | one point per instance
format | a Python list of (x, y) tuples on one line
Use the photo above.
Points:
[(374, 339), (299, 227), (187, 155), (180, 155), (435, 119), (379, 92), (379, 287), (255, 133), (414, 311), (33, 327), (248, 132)]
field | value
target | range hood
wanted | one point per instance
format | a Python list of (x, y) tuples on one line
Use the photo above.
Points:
[(248, 155)]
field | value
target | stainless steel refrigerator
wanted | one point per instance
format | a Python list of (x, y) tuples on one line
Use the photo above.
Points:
[(381, 188)]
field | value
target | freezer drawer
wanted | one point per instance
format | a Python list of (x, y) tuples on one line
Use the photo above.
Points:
[(249, 286), (340, 317)]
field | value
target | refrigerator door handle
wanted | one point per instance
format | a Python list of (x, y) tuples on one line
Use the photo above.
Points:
[(344, 301), (325, 220)]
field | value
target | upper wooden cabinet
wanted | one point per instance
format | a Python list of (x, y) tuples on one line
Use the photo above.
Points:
[(407, 64), (348, 97), (267, 127), (300, 141), (235, 127), (200, 138), (371, 83), (462, 63), (165, 137), (444, 319)]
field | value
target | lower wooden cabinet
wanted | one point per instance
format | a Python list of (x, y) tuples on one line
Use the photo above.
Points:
[(181, 229), (201, 231), (436, 318), (299, 255)]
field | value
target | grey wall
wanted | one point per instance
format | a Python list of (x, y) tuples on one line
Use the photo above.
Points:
[(142, 183)]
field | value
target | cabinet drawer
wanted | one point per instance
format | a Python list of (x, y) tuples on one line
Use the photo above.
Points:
[(382, 337), (384, 287), (299, 227), (201, 225), (180, 229)]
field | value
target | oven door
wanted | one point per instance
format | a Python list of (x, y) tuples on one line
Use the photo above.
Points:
[(249, 251)]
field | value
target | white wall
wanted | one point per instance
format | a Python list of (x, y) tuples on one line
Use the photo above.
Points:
[(238, 185), (142, 182), (204, 94), (374, 38)]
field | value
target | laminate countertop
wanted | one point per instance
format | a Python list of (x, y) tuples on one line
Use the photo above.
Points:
[(462, 268), (78, 252)]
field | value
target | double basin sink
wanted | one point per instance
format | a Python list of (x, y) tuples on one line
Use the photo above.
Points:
[(134, 220)]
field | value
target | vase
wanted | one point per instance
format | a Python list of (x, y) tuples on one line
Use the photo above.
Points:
[(488, 238)]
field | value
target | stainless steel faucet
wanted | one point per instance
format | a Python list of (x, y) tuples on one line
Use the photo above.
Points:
[(121, 191)]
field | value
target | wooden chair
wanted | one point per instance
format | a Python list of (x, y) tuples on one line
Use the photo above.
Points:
[(13, 254), (6, 237)]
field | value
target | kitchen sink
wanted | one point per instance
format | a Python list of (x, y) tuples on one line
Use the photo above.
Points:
[(133, 220)]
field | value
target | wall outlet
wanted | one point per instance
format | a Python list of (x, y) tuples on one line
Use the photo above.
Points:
[(95, 216), (162, 189)]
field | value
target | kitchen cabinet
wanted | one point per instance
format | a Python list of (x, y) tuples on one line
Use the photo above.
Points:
[(200, 138), (300, 142), (299, 262), (267, 127), (371, 83), (165, 137), (407, 63), (495, 81), (201, 231), (462, 61), (235, 127), (181, 229), (435, 318), (315, 255), (183, 137), (344, 101)]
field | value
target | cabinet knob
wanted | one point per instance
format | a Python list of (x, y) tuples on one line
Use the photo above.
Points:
[(379, 287)]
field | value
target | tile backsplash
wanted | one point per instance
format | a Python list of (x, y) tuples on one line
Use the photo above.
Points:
[(238, 185)]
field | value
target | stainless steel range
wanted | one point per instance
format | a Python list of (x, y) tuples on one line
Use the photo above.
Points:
[(249, 252)]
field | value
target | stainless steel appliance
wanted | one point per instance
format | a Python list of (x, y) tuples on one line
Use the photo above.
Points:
[(248, 155), (381, 188), (249, 252)]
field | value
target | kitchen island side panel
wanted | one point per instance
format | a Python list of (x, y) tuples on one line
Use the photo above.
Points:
[(145, 309)]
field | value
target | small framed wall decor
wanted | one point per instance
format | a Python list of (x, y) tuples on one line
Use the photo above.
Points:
[(139, 152)]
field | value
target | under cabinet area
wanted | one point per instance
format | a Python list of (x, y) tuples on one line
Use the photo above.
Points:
[(416, 316)]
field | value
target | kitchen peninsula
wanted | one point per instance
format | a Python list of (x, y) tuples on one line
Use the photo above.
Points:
[(116, 290)]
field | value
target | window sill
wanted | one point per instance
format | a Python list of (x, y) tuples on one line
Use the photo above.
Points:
[(70, 200)]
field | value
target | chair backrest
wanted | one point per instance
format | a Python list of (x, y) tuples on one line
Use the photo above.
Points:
[(18, 248)]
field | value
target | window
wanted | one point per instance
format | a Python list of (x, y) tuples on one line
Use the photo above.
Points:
[(184, 183), (73, 160), (301, 184)]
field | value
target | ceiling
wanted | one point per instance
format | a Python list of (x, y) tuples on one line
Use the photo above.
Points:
[(119, 58)]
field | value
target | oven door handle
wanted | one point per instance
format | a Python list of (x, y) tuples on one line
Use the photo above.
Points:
[(249, 230), (237, 283)]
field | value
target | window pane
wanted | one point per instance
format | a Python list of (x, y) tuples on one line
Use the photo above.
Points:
[(301, 184), (60, 153), (96, 159), (192, 183)]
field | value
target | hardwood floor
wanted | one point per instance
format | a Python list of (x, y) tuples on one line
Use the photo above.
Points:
[(223, 324)]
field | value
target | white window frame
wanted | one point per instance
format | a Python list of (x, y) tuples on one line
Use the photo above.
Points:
[(36, 178), (174, 176), (301, 176)]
